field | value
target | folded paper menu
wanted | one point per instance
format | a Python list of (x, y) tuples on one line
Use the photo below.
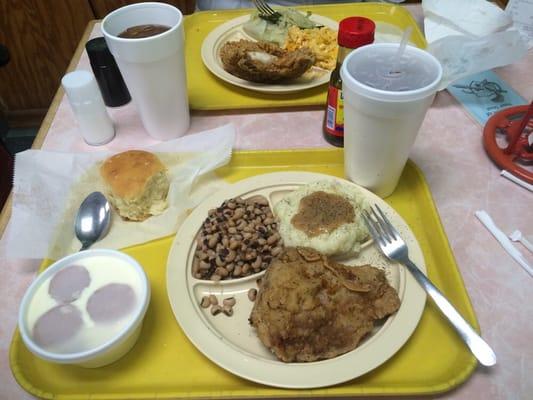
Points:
[(484, 94), (49, 187)]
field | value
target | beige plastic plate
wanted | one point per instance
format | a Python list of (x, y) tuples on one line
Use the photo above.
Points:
[(232, 31), (231, 343)]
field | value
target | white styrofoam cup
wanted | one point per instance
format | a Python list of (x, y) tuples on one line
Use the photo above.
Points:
[(153, 67), (380, 126)]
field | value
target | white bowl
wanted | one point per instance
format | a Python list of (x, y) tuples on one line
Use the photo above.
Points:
[(107, 352)]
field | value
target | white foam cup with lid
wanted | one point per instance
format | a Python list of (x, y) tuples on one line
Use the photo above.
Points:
[(153, 67), (85, 309), (383, 111)]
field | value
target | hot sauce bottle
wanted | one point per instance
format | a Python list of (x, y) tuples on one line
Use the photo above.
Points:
[(354, 32)]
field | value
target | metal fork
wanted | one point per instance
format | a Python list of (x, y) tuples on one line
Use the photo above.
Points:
[(394, 247), (266, 12)]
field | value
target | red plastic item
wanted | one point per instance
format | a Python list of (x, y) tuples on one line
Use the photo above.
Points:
[(513, 124), (355, 32)]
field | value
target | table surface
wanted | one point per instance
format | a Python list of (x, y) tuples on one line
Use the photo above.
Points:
[(462, 180)]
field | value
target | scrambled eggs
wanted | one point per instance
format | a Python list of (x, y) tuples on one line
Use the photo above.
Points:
[(321, 41)]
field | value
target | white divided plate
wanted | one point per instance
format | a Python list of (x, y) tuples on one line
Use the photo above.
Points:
[(231, 31), (233, 344)]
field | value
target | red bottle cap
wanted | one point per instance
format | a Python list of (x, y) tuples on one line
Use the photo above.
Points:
[(355, 32)]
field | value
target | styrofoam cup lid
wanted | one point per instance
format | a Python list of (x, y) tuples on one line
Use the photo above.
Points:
[(371, 72)]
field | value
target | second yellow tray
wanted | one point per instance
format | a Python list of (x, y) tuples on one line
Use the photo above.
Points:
[(164, 364), (207, 92)]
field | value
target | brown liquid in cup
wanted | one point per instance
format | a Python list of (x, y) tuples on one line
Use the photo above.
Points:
[(143, 31)]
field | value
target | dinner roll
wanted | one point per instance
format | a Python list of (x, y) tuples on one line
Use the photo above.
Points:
[(136, 184)]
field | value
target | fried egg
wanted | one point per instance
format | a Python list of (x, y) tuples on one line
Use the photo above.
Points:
[(324, 215)]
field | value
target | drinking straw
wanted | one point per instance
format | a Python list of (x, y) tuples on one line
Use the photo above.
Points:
[(398, 56)]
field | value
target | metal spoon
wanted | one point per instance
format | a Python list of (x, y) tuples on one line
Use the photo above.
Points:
[(93, 219)]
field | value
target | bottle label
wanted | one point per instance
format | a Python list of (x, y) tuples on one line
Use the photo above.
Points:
[(335, 112)]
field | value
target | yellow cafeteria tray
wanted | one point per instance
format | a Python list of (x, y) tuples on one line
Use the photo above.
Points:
[(207, 92), (164, 364)]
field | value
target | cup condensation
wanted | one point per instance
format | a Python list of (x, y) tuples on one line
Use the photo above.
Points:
[(381, 125), (153, 67)]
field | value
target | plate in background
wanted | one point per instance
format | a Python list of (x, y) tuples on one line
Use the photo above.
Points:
[(232, 31)]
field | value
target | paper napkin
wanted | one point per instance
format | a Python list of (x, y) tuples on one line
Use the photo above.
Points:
[(49, 187)]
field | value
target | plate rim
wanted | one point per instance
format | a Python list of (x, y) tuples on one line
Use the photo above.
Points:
[(209, 59), (251, 367)]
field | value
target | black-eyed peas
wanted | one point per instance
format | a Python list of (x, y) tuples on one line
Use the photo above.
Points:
[(230, 301), (205, 302), (252, 294), (227, 305), (237, 239)]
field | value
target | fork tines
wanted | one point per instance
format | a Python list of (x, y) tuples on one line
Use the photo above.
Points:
[(264, 8), (379, 225)]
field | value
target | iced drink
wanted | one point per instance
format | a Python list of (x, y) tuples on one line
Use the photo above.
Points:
[(385, 101)]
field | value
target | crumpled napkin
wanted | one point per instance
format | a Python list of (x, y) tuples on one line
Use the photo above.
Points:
[(49, 187), (470, 36)]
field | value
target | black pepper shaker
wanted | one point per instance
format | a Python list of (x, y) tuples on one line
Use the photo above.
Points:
[(107, 74)]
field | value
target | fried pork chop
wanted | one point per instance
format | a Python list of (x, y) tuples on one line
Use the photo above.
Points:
[(310, 308), (264, 62)]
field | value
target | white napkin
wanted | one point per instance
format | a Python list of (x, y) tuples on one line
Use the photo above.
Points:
[(521, 12), (49, 187), (470, 36), (462, 17)]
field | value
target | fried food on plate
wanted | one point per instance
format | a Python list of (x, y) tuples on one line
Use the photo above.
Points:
[(136, 184), (310, 308), (323, 215), (264, 62)]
